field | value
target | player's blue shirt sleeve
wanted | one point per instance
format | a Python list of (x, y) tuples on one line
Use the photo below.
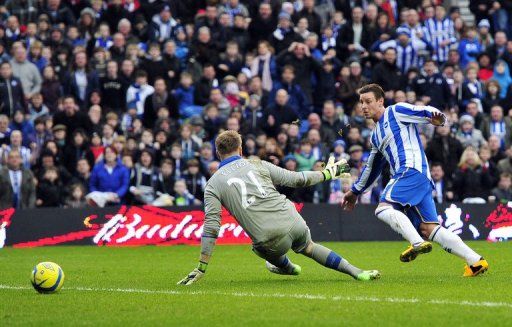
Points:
[(371, 171), (409, 113)]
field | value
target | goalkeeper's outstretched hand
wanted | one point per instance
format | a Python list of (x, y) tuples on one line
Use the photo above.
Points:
[(336, 170), (192, 277)]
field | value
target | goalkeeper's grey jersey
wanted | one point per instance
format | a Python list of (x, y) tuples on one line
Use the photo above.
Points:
[(246, 188)]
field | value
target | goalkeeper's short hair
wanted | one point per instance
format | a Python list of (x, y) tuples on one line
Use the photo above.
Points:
[(228, 142)]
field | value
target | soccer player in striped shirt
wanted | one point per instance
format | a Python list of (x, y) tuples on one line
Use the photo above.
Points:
[(406, 204)]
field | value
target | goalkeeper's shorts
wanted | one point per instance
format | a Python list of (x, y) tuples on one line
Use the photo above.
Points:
[(296, 239)]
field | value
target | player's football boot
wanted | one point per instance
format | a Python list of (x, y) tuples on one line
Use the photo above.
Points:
[(413, 251), (476, 269), (296, 269), (368, 275)]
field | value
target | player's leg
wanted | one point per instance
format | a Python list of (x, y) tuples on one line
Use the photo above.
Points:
[(276, 259), (399, 222), (450, 242), (303, 244), (398, 192)]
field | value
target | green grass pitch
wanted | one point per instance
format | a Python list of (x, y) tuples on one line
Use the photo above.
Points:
[(136, 286)]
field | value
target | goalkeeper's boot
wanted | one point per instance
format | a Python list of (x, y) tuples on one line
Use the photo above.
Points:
[(413, 251), (368, 275), (476, 269), (295, 269)]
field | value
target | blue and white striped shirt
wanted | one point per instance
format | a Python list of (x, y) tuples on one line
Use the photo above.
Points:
[(396, 139), (437, 31), (406, 56)]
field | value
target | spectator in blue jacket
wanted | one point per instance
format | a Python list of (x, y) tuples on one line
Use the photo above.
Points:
[(110, 177), (469, 48)]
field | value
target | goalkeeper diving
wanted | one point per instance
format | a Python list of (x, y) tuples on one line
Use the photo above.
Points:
[(247, 189)]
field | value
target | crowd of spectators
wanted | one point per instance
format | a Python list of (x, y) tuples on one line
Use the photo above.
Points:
[(119, 102)]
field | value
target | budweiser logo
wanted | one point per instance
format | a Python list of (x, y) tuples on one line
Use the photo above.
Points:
[(150, 225)]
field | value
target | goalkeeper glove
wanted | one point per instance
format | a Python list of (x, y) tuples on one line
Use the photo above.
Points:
[(336, 170), (194, 275)]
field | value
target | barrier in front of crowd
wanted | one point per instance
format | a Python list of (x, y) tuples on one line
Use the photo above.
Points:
[(146, 225)]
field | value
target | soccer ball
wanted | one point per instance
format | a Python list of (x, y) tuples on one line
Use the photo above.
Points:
[(47, 277)]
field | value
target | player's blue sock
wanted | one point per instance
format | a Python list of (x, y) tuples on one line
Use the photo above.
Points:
[(331, 259), (282, 262)]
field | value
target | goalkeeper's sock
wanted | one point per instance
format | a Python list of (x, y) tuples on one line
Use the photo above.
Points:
[(452, 243), (400, 223), (282, 262), (331, 259)]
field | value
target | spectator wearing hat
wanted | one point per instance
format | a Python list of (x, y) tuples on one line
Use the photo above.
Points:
[(11, 91), (408, 49), (162, 26), (502, 76), (468, 135), (484, 34), (198, 131), (17, 184), (284, 35), (26, 71), (110, 177), (444, 148)]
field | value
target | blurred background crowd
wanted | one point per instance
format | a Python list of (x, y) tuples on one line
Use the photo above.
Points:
[(119, 101)]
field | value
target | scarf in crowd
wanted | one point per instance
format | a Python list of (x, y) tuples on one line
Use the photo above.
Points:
[(260, 66)]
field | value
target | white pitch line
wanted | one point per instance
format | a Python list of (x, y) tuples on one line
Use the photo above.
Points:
[(283, 296)]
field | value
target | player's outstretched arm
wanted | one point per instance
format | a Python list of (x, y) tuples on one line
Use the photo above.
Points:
[(212, 209), (370, 172), (409, 113), (333, 170)]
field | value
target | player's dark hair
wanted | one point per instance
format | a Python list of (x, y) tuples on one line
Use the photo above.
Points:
[(228, 142), (377, 91)]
